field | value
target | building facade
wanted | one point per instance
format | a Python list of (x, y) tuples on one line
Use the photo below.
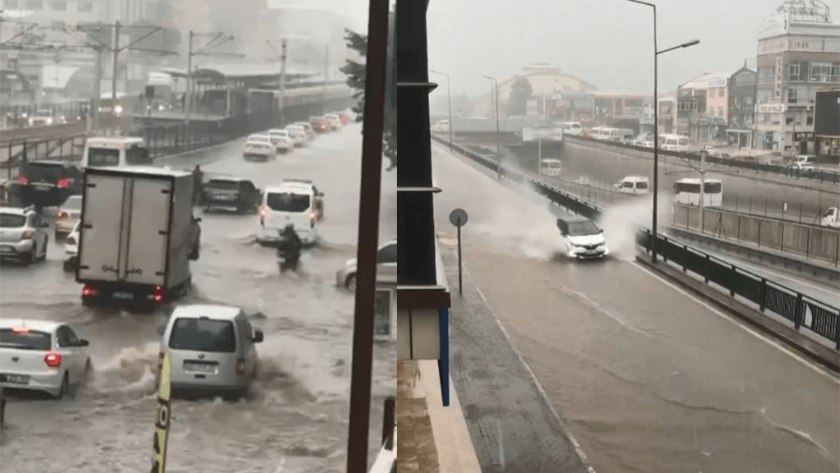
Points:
[(667, 115), (717, 109), (798, 55), (691, 109), (827, 123), (741, 110)]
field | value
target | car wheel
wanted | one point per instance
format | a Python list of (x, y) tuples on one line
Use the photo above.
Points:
[(65, 383), (195, 253), (88, 374), (350, 283)]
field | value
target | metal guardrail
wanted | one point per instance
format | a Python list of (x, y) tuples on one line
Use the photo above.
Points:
[(804, 311), (817, 175)]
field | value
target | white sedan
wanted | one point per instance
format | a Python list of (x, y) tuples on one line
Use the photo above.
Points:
[(281, 139), (297, 134), (259, 147), (37, 355)]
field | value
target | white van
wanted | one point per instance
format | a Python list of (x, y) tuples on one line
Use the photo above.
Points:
[(633, 185), (604, 133), (292, 202), (687, 192), (572, 128), (674, 143), (118, 151), (550, 167), (805, 160)]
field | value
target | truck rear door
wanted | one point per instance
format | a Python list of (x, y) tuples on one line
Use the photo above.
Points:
[(99, 253), (148, 238)]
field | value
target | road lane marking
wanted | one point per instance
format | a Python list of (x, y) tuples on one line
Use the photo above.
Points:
[(767, 339)]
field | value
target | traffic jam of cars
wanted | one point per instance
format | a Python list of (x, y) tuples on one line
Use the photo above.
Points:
[(128, 230)]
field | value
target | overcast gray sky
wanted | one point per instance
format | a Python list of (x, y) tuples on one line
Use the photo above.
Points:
[(608, 43)]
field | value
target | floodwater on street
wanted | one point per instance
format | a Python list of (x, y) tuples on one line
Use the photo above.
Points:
[(296, 419), (645, 377)]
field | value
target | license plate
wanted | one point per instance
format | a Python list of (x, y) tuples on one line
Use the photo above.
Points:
[(122, 295), (14, 378), (199, 367)]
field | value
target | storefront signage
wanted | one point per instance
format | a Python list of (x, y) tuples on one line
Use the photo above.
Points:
[(773, 26), (803, 136), (771, 108), (780, 45), (780, 75), (717, 83)]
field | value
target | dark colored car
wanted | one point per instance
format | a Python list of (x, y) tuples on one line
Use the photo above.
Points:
[(48, 183), (232, 193)]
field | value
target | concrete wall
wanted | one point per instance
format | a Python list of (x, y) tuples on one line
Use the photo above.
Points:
[(806, 241), (418, 329)]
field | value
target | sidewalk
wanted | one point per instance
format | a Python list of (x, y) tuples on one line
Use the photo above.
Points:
[(513, 428)]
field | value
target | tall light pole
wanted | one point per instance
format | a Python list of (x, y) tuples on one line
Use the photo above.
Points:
[(449, 98), (217, 40), (656, 54), (496, 94)]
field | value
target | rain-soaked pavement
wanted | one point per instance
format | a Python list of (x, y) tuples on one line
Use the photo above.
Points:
[(296, 421), (646, 377)]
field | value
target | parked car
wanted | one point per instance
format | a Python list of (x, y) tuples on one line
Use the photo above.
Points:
[(23, 235), (231, 192), (386, 268), (68, 215), (48, 183), (212, 349), (45, 356)]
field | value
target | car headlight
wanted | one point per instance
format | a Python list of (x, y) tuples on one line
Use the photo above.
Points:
[(118, 109)]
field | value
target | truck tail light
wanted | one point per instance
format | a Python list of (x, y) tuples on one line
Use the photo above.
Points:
[(53, 359), (89, 291), (158, 294), (63, 183), (24, 180)]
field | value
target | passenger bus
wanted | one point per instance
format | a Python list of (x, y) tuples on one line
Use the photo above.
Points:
[(687, 192), (550, 167)]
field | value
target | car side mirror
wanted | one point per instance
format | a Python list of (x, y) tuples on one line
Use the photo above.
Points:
[(160, 330), (258, 336), (83, 343)]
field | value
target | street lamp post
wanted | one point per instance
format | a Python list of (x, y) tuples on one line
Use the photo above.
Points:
[(656, 54), (449, 99), (498, 138)]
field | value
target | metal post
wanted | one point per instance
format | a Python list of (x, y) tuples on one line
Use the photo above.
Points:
[(702, 190), (283, 83), (188, 91), (460, 264), (97, 91), (326, 75), (655, 134), (114, 71), (388, 420), (370, 193)]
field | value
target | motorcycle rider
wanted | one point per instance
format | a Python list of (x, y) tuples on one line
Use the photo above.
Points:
[(289, 247)]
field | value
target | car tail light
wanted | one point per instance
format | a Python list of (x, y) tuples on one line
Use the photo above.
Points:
[(263, 213), (240, 366), (20, 330), (157, 294), (89, 291), (53, 359), (28, 234), (63, 183), (24, 180), (62, 214)]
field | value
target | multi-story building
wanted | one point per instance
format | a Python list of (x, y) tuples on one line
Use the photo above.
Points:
[(691, 108), (827, 123), (717, 108), (741, 110), (798, 52), (667, 115)]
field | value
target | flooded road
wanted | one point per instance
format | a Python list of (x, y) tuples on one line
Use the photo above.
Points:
[(646, 377), (297, 418)]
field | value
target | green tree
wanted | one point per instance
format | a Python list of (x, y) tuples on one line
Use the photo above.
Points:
[(356, 74), (520, 92)]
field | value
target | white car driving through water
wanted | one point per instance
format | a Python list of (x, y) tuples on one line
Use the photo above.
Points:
[(582, 239), (259, 147)]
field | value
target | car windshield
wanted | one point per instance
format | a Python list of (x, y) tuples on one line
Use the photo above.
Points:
[(288, 202), (202, 334), (74, 202), (12, 221), (221, 184), (583, 228), (103, 157), (28, 340)]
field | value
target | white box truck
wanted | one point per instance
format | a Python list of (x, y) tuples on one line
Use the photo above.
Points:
[(137, 235)]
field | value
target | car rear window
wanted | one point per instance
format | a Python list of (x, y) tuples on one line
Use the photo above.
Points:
[(103, 157), (287, 202), (201, 334), (12, 221), (227, 185), (29, 340), (51, 172)]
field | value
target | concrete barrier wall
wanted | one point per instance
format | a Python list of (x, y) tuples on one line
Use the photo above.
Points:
[(808, 241)]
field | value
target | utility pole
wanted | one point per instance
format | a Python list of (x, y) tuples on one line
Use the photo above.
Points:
[(188, 85), (283, 83), (97, 91), (702, 189), (116, 55), (326, 75)]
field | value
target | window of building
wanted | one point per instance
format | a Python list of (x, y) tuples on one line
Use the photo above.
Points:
[(748, 101), (34, 5), (796, 71), (825, 72), (85, 6), (59, 5), (764, 96), (11, 4), (766, 75), (810, 120), (788, 120), (711, 93), (791, 95), (721, 91)]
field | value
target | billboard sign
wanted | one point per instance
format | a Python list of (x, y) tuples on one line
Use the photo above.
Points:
[(827, 113), (775, 25), (770, 108), (542, 134)]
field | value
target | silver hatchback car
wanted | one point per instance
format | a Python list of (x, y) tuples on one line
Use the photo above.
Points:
[(212, 350)]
